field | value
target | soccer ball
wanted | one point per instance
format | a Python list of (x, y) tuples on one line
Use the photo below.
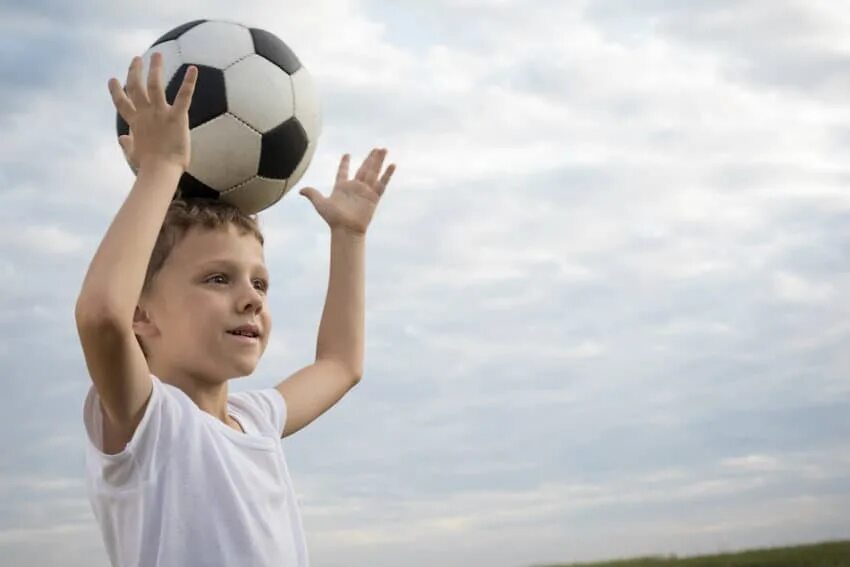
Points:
[(254, 119)]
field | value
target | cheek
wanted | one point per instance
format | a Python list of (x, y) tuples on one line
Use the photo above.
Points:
[(267, 325), (202, 314)]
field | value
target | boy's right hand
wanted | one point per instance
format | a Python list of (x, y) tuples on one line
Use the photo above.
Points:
[(159, 132)]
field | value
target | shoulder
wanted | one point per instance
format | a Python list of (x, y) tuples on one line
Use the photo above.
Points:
[(161, 427), (266, 407), (164, 399)]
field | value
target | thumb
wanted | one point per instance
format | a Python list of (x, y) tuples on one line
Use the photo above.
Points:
[(312, 194)]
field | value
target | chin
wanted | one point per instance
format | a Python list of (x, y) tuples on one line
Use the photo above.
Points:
[(222, 371), (245, 369)]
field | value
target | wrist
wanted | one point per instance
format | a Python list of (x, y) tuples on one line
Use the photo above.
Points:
[(160, 165), (344, 232)]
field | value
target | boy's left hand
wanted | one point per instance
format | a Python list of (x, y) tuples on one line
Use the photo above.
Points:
[(353, 201)]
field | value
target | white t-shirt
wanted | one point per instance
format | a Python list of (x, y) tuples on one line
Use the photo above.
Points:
[(188, 490)]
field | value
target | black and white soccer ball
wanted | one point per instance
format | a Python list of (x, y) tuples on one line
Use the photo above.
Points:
[(254, 118)]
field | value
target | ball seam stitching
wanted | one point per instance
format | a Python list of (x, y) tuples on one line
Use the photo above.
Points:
[(244, 57), (227, 112)]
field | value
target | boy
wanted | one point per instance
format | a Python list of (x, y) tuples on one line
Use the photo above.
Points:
[(180, 472)]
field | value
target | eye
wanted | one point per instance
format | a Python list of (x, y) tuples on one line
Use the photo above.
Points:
[(262, 284), (217, 277)]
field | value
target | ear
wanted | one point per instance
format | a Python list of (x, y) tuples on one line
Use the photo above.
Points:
[(142, 324)]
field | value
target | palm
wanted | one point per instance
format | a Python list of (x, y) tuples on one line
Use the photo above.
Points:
[(352, 202)]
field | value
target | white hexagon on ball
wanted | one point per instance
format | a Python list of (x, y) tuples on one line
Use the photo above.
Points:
[(306, 103), (225, 153), (255, 194), (215, 44), (259, 93)]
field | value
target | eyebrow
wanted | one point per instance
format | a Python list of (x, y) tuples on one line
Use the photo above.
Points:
[(232, 265)]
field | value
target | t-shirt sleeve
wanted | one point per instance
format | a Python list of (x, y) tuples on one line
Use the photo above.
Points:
[(147, 450), (268, 407)]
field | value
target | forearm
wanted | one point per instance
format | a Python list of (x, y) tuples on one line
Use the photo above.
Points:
[(342, 329), (116, 274)]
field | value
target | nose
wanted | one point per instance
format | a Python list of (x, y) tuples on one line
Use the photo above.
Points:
[(250, 299)]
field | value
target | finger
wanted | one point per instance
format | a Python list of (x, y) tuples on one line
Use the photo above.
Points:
[(342, 172), (134, 83), (183, 100), (361, 172), (156, 93), (385, 179), (371, 174), (122, 103)]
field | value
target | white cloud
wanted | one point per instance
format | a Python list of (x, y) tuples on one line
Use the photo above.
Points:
[(796, 289)]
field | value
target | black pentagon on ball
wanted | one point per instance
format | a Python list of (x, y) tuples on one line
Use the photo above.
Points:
[(191, 188), (121, 125), (177, 32), (209, 99), (268, 45), (282, 149)]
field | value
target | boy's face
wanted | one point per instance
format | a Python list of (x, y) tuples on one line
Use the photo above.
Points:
[(214, 281)]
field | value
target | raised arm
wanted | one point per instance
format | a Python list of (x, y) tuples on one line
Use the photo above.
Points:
[(339, 351), (159, 146)]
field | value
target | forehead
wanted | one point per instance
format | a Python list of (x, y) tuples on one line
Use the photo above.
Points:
[(201, 246)]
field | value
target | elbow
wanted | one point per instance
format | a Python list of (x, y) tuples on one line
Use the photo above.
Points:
[(352, 375), (95, 311), (355, 373), (342, 370)]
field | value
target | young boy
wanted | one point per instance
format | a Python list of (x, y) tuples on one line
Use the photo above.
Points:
[(180, 472)]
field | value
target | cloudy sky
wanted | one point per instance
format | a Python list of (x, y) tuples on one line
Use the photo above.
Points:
[(608, 292)]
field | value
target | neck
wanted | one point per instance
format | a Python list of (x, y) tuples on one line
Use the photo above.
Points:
[(210, 395)]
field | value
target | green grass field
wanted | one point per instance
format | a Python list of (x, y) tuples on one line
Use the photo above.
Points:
[(830, 554)]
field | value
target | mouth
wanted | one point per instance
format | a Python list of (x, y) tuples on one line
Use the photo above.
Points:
[(245, 337)]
